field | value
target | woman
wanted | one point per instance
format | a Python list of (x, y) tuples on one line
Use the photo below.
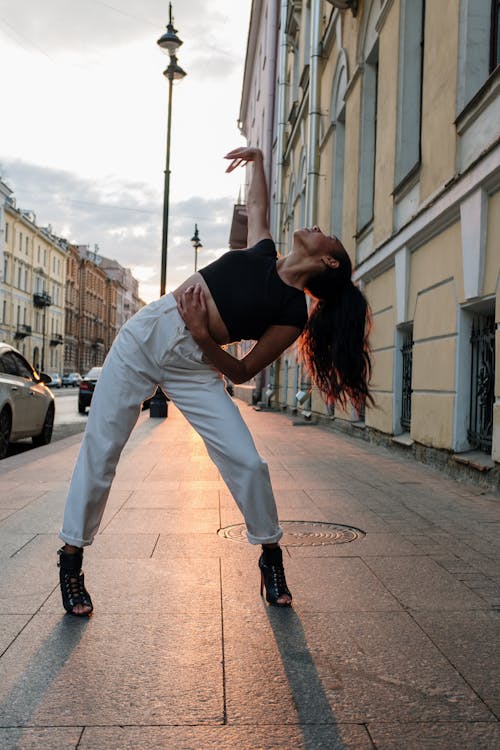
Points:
[(177, 342)]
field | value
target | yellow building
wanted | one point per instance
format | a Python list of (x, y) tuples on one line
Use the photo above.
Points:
[(33, 289), (387, 135)]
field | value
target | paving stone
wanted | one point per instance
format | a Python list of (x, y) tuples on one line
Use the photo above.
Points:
[(10, 626), (477, 659), (382, 666), (174, 498), (164, 520), (25, 583), (152, 585), (193, 546), (54, 738), (10, 543), (472, 735), (128, 546), (373, 544), (339, 737), (320, 585), (423, 586), (133, 669)]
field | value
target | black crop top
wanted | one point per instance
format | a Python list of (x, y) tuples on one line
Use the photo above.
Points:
[(249, 293)]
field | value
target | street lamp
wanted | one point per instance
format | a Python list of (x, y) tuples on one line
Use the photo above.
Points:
[(195, 241), (42, 300), (169, 43)]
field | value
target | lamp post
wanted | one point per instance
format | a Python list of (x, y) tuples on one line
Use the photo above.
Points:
[(195, 241), (169, 43)]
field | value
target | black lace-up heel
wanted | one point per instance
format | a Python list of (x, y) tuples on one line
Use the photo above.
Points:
[(72, 582), (273, 576)]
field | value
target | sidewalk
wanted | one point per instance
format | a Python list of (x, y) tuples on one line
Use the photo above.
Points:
[(393, 642)]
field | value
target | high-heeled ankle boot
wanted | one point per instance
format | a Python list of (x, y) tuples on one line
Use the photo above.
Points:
[(72, 582), (273, 576)]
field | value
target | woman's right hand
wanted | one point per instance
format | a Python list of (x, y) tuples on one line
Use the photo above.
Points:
[(241, 156)]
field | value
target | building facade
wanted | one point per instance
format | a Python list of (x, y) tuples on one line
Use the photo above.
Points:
[(387, 134), (128, 301), (33, 289)]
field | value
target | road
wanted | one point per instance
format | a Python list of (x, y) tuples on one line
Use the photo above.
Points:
[(67, 422)]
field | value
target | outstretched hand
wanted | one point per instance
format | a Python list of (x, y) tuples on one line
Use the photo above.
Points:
[(192, 308), (241, 156)]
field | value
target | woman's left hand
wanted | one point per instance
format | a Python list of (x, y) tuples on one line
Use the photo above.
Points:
[(192, 308)]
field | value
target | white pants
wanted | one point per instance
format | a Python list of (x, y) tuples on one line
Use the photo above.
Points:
[(155, 348)]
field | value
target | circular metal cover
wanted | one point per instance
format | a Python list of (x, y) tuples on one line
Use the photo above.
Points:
[(302, 533)]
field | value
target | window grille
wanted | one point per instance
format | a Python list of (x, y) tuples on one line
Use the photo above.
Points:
[(482, 393), (407, 356)]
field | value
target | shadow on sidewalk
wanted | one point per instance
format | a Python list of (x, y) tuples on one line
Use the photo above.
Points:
[(313, 707), (18, 708)]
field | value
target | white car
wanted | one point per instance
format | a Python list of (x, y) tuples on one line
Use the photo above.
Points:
[(55, 380), (27, 406)]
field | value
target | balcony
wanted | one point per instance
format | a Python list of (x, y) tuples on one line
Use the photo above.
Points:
[(56, 339), (42, 299), (22, 331)]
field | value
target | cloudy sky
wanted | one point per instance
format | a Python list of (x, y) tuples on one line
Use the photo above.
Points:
[(83, 125)]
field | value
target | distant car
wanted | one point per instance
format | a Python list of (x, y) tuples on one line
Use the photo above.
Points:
[(55, 380), (26, 404), (71, 380), (86, 388)]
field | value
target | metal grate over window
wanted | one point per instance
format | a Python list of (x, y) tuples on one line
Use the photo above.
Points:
[(407, 355), (482, 395)]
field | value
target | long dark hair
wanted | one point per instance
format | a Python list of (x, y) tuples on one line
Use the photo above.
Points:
[(334, 345)]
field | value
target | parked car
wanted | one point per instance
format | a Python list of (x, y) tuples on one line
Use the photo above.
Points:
[(86, 388), (71, 380), (27, 406), (55, 380)]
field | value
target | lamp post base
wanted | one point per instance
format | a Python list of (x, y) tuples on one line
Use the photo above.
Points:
[(158, 408)]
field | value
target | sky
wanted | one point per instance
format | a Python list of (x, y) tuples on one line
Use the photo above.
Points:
[(84, 119)]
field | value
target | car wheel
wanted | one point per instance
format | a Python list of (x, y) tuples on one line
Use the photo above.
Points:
[(5, 427), (81, 408), (45, 436)]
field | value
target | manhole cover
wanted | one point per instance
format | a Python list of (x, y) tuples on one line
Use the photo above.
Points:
[(302, 533)]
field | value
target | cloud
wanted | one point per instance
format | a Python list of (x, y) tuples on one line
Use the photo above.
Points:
[(85, 28), (124, 218)]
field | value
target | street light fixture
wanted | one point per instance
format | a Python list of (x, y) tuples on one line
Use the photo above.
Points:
[(169, 43), (195, 241)]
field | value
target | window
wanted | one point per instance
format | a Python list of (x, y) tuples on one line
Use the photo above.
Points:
[(495, 35), (411, 54), (20, 241), (5, 270), (478, 47), (25, 279), (19, 273), (6, 231), (406, 350), (482, 382), (337, 117), (366, 186), (27, 245)]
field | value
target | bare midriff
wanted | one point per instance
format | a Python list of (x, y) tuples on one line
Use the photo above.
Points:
[(216, 325)]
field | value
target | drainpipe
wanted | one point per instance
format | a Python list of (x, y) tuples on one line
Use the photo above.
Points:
[(314, 118), (271, 62), (281, 125)]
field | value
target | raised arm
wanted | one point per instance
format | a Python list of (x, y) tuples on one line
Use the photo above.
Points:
[(257, 199)]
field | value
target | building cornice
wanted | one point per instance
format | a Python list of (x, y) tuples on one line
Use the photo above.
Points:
[(440, 211)]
